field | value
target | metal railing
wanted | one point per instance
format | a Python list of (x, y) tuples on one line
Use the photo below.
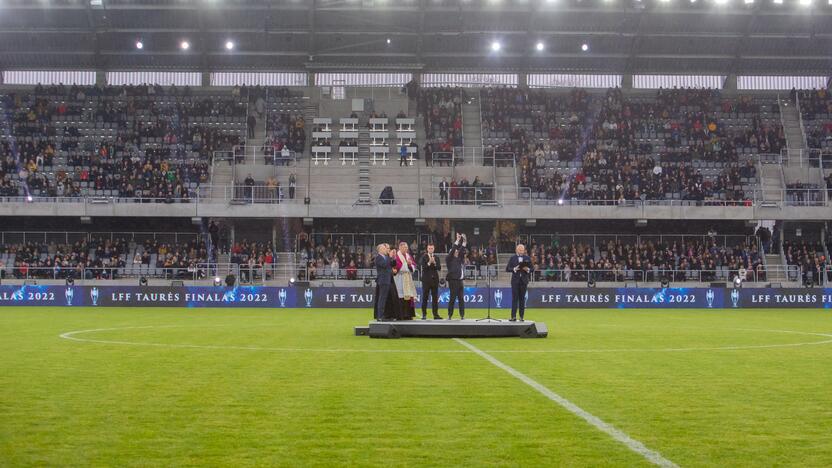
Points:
[(653, 276), (70, 237), (473, 156), (593, 240), (483, 195)]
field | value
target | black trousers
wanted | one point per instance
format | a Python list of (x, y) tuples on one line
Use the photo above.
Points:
[(430, 289), (457, 294), (518, 298), (381, 300)]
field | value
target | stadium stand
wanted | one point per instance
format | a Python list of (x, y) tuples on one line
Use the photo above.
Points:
[(142, 141)]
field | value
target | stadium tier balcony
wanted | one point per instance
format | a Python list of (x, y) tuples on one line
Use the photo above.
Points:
[(578, 154), (145, 142)]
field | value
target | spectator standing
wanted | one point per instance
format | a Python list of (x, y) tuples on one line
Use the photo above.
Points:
[(252, 123), (292, 185), (403, 156), (443, 191)]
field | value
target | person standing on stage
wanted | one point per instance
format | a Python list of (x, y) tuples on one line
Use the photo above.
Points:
[(403, 267), (431, 266), (520, 267), (456, 274), (384, 276)]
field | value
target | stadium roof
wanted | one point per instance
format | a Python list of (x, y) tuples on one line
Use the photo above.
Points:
[(630, 36)]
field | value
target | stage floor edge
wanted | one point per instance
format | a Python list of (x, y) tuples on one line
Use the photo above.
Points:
[(453, 329)]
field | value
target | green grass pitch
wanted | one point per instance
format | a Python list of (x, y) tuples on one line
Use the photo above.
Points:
[(246, 387)]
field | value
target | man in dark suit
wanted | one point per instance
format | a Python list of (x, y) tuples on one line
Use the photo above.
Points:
[(456, 274), (431, 266), (443, 191), (520, 267), (384, 276)]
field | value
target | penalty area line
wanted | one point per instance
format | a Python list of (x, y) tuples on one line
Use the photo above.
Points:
[(650, 455)]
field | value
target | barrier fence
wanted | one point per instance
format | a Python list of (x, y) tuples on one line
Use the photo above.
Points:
[(363, 297)]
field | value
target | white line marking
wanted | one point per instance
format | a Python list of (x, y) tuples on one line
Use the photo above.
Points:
[(650, 455), (72, 335)]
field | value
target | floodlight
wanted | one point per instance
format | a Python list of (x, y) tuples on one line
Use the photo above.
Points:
[(748, 2), (778, 2), (185, 45), (388, 41), (139, 45), (585, 47), (229, 45), (496, 46), (805, 2), (560, 201), (540, 46)]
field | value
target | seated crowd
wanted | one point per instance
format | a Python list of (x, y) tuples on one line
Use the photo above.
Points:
[(682, 144), (649, 261), (103, 258), (334, 256), (441, 111), (114, 141), (816, 108), (808, 256)]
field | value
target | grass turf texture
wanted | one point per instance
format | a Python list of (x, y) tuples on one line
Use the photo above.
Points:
[(80, 403)]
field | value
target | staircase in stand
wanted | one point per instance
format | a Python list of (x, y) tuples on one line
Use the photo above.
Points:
[(364, 195)]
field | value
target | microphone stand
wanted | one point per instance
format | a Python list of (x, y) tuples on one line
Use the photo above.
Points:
[(488, 318)]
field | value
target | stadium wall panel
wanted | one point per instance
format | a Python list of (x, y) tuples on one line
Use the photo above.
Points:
[(362, 297)]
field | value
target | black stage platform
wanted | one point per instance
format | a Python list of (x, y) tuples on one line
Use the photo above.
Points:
[(453, 329)]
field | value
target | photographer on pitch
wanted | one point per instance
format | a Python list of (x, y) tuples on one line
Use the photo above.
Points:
[(431, 266), (456, 274), (520, 267)]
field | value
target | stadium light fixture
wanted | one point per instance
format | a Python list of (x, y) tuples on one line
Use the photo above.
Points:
[(748, 2), (229, 45), (778, 2), (540, 46), (805, 2), (693, 1), (585, 47), (389, 41), (496, 46), (139, 45), (185, 45), (720, 2)]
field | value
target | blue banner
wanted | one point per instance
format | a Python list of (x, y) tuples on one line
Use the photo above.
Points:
[(362, 297)]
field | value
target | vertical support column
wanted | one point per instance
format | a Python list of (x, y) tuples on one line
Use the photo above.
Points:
[(523, 79), (206, 79), (310, 79), (730, 83), (232, 233), (627, 81), (100, 78), (274, 235)]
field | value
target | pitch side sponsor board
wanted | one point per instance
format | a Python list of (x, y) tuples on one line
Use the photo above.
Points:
[(363, 297)]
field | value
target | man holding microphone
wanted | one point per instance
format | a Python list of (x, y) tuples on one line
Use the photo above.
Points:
[(520, 267)]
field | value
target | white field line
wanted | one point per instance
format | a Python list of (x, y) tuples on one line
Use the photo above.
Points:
[(650, 455), (72, 335)]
